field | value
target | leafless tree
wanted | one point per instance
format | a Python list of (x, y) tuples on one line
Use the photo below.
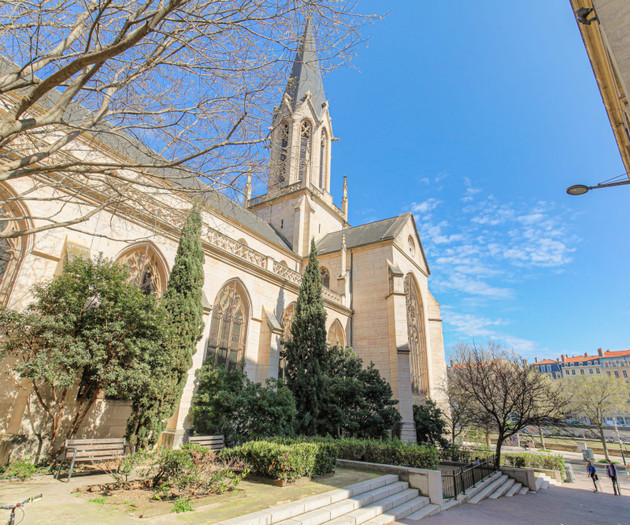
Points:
[(505, 393), (101, 97), (596, 399)]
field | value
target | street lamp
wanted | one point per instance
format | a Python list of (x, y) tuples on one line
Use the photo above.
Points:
[(581, 189)]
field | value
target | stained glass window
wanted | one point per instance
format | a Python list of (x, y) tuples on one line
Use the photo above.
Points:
[(417, 338), (145, 269), (228, 326), (325, 274)]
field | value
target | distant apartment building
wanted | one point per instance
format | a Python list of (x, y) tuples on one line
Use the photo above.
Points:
[(613, 363)]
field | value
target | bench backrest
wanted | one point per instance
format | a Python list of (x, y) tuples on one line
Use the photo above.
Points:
[(95, 449), (211, 442)]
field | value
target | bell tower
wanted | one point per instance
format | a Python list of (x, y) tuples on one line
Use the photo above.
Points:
[(298, 202)]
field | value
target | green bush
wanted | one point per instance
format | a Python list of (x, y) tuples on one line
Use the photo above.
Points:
[(388, 452), (282, 461), (195, 470), (528, 460), (182, 505), (21, 469), (465, 455)]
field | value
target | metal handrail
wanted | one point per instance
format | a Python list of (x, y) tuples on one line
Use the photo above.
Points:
[(458, 481)]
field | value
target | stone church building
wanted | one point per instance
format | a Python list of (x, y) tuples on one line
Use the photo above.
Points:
[(375, 275)]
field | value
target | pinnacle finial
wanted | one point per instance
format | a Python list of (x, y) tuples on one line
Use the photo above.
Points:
[(344, 200), (248, 187)]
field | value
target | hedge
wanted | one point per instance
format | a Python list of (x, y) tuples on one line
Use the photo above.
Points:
[(542, 461), (287, 462), (387, 452)]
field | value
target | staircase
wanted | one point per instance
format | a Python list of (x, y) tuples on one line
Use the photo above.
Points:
[(379, 501)]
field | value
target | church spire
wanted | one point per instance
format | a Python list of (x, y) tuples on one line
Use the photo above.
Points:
[(305, 74)]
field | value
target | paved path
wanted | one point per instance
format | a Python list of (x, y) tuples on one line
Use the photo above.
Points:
[(571, 504)]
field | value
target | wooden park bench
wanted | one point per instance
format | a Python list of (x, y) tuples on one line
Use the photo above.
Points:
[(211, 442), (92, 450)]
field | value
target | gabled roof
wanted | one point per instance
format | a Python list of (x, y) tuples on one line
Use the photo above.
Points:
[(305, 74), (369, 233)]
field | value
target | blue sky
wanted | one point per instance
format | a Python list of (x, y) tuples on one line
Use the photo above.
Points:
[(476, 116)]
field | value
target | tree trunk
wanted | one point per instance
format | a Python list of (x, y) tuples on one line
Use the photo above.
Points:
[(487, 434), (542, 437), (497, 459), (602, 437)]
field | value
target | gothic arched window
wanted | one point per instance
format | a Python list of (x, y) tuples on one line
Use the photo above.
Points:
[(305, 149), (228, 326), (12, 249), (287, 321), (323, 159), (283, 150), (336, 335), (417, 337), (325, 275), (146, 268)]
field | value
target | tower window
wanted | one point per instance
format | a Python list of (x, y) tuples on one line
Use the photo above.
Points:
[(323, 159), (305, 149), (283, 151)]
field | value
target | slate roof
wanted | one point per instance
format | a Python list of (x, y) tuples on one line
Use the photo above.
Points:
[(128, 146), (305, 74), (369, 233)]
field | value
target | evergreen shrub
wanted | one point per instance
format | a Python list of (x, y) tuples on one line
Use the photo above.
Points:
[(387, 452), (529, 460), (287, 462)]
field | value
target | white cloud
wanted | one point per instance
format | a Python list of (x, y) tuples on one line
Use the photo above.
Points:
[(424, 207)]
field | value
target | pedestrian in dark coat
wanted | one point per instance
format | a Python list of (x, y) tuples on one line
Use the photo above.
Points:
[(592, 473), (612, 472)]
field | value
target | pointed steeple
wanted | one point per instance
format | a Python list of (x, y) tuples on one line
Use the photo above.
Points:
[(305, 74)]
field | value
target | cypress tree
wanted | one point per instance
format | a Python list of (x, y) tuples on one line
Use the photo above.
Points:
[(182, 301), (306, 353)]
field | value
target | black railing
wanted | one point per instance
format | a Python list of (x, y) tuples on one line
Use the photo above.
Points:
[(457, 479)]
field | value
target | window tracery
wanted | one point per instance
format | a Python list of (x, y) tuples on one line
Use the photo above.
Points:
[(12, 250), (325, 275), (336, 337), (145, 268), (228, 326), (417, 337), (305, 149)]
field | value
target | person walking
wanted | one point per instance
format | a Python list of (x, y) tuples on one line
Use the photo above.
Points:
[(592, 473), (612, 472)]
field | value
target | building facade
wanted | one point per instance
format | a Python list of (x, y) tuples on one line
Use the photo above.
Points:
[(375, 275), (603, 25), (611, 363)]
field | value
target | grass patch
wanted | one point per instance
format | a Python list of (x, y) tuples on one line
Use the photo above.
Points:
[(99, 501), (182, 505)]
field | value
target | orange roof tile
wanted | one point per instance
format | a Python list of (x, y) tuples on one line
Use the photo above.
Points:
[(580, 358), (617, 353), (546, 362)]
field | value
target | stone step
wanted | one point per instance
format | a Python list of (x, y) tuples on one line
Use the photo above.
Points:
[(330, 512), (523, 491), (425, 512), (475, 489), (374, 509), (503, 488), (402, 511), (489, 489), (514, 490), (287, 511), (545, 484), (539, 482)]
